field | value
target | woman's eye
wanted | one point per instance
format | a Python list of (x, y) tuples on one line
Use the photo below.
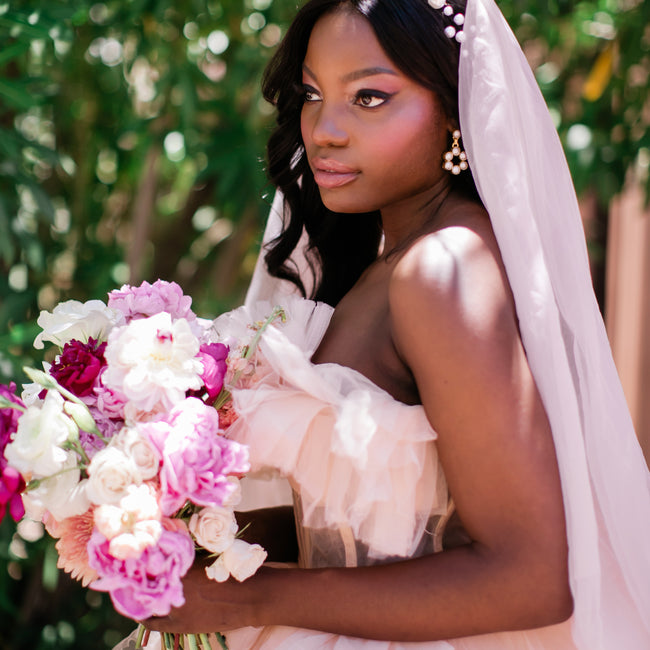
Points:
[(310, 94), (370, 99)]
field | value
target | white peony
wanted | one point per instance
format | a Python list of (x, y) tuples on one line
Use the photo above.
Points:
[(152, 361), (141, 452), (36, 448), (77, 320), (131, 526), (63, 495), (241, 561), (110, 474), (214, 528), (130, 545)]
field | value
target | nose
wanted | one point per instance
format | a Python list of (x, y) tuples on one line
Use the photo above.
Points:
[(326, 125)]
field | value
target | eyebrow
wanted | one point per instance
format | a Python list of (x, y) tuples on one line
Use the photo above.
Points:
[(357, 74)]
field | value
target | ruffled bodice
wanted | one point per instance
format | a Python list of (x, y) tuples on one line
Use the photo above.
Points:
[(364, 468), (368, 484)]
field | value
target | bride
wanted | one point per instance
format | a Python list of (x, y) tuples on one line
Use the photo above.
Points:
[(446, 410)]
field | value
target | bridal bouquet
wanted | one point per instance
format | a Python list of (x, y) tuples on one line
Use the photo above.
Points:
[(118, 446)]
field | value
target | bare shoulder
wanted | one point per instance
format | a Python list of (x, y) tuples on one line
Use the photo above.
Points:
[(453, 275)]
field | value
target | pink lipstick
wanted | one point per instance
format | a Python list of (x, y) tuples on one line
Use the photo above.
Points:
[(330, 173)]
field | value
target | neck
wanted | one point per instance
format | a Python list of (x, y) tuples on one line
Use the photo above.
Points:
[(404, 221)]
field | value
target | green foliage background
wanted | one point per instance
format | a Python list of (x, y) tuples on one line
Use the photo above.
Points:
[(131, 147)]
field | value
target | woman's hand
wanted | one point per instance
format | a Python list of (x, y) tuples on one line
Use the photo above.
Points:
[(211, 606)]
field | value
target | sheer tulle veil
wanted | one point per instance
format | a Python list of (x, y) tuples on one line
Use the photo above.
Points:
[(524, 182)]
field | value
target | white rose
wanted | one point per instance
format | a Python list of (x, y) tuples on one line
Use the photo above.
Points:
[(76, 320), (42, 429), (63, 495), (110, 474), (217, 570), (214, 528), (152, 361), (241, 561), (141, 452)]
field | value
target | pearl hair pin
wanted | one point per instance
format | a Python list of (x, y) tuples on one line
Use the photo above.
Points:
[(455, 30)]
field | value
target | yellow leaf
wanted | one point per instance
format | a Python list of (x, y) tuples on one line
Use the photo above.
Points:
[(600, 74)]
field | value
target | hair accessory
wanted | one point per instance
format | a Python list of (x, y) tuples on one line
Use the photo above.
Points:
[(450, 164), (455, 30)]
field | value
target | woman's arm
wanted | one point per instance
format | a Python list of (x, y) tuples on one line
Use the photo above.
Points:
[(455, 327)]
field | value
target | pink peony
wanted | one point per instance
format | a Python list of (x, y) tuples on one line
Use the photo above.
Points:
[(110, 402), (213, 357), (149, 299), (149, 585), (197, 460), (79, 365), (11, 482)]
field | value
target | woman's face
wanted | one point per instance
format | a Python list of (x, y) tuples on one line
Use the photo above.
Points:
[(374, 138)]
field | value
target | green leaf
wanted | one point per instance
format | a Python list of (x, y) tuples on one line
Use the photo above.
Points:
[(43, 201), (15, 94), (12, 51)]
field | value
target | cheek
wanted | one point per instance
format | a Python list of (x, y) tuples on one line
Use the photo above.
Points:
[(417, 136)]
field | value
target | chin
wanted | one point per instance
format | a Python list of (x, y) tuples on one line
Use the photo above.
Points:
[(346, 205)]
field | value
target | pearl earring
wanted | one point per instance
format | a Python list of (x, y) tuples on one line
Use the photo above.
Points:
[(450, 163)]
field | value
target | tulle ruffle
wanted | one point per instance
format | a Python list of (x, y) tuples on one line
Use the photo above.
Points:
[(358, 457)]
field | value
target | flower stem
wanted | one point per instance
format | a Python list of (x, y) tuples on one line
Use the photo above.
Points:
[(140, 637), (48, 382), (222, 640), (225, 395), (36, 482), (278, 312), (8, 404), (76, 446)]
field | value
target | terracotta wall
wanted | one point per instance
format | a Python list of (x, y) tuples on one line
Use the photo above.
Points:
[(627, 303)]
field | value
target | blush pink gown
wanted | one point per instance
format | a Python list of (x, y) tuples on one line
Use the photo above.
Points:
[(368, 485)]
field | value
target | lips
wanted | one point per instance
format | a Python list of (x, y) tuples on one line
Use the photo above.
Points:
[(330, 173)]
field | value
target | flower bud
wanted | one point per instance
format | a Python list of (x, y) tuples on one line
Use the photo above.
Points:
[(81, 416)]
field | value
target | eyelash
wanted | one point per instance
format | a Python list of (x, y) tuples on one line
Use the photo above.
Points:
[(307, 91)]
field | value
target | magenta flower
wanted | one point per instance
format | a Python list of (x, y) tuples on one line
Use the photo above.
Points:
[(149, 585), (79, 365), (213, 357), (8, 416), (11, 488), (197, 460), (11, 482), (149, 299)]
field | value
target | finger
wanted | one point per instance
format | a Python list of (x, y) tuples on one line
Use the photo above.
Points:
[(158, 623)]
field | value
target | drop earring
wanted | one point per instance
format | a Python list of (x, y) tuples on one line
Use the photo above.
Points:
[(455, 160)]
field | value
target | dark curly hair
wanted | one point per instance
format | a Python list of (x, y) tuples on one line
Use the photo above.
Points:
[(341, 248)]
